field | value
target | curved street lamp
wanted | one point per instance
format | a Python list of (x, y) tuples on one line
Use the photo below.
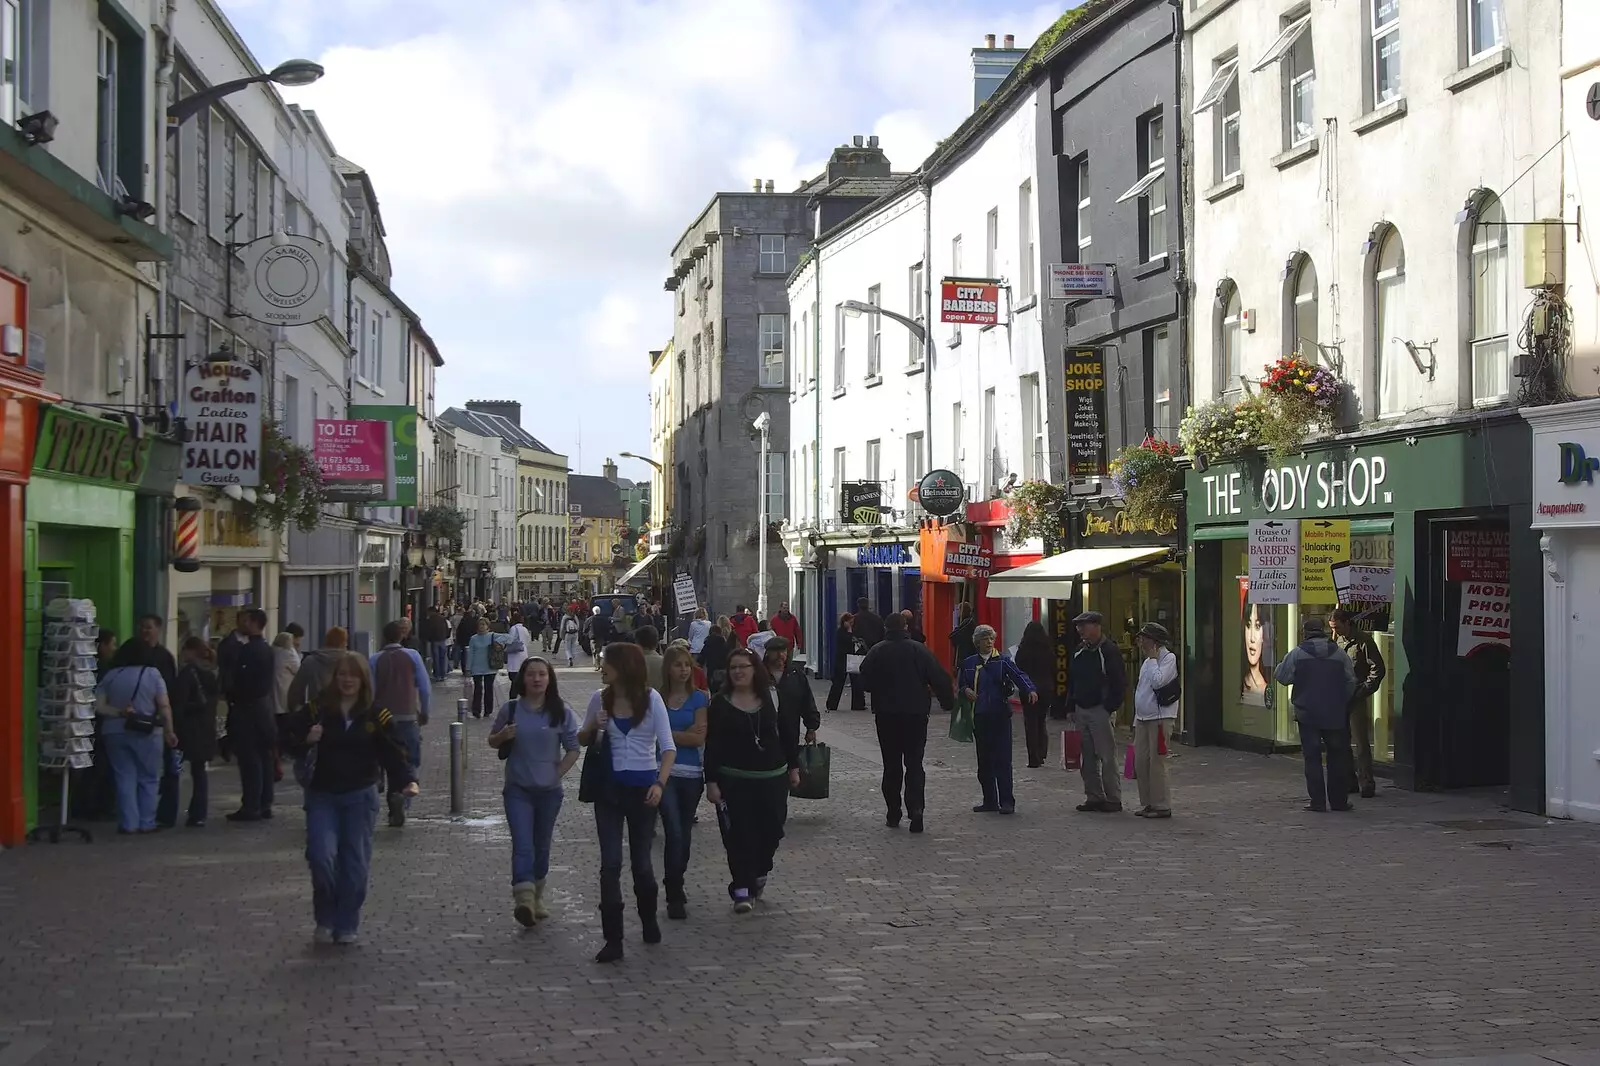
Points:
[(291, 72), (642, 459)]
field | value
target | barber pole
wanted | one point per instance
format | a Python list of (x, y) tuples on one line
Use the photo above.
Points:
[(186, 536)]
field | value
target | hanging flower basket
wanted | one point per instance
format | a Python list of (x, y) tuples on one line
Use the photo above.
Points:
[(1145, 475), (1036, 508), (1301, 399), (1218, 431), (442, 522), (290, 490)]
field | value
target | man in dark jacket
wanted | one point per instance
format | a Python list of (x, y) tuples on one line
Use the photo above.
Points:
[(961, 642), (1097, 680), (900, 673), (1370, 672), (436, 631), (869, 627), (796, 702), (252, 726), (1324, 681), (464, 631), (912, 628)]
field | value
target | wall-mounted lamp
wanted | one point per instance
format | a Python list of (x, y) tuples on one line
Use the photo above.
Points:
[(233, 492), (39, 127)]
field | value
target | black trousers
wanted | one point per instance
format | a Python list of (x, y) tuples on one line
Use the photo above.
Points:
[(254, 733), (626, 810), (902, 738), (754, 812), (1327, 790), (482, 694), (1034, 716), (858, 697)]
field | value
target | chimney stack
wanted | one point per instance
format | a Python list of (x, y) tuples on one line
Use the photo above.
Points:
[(758, 185), (1011, 40), (855, 141), (872, 142), (991, 66), (609, 470), (988, 40), (770, 185)]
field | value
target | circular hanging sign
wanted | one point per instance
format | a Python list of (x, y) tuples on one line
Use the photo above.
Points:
[(1592, 101), (940, 492), (285, 280)]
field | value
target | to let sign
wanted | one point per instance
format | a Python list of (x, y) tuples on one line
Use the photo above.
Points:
[(1085, 382), (969, 302), (1275, 561), (222, 402)]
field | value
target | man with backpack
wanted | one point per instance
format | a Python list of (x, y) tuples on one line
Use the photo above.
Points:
[(400, 686), (1097, 681)]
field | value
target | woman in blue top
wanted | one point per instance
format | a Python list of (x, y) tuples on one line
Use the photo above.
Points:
[(537, 736), (482, 671), (630, 719), (990, 679), (686, 709), (135, 729)]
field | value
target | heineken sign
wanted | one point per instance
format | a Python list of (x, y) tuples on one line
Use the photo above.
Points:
[(940, 492), (90, 448)]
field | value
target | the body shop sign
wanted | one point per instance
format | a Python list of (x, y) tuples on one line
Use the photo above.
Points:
[(222, 402), (969, 301), (355, 458)]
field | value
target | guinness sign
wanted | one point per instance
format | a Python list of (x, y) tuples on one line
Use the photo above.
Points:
[(861, 503)]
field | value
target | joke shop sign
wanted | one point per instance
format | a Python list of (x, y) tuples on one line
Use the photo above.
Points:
[(222, 402)]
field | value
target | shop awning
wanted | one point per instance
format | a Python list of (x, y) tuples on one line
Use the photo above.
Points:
[(1051, 579), (638, 568)]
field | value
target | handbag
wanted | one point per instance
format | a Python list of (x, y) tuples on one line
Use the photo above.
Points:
[(1168, 694), (516, 646), (1071, 749), (961, 721), (504, 750), (595, 783), (140, 724), (1127, 765), (815, 760), (305, 764)]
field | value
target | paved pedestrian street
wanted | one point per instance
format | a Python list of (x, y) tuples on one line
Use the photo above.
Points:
[(1421, 927)]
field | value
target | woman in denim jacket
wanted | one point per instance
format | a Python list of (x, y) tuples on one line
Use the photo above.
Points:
[(990, 680)]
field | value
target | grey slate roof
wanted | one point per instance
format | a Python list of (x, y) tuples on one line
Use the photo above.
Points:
[(598, 497), (488, 425)]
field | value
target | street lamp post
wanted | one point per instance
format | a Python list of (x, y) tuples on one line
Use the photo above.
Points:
[(763, 423), (292, 72), (642, 459), (919, 332)]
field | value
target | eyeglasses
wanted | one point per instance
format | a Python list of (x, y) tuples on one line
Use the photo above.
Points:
[(739, 666)]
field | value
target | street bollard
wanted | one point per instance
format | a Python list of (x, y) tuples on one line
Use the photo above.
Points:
[(458, 770), (461, 709)]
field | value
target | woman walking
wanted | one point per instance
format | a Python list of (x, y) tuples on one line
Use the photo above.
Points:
[(1153, 719), (194, 719), (714, 652), (990, 680), (750, 765), (1036, 656), (483, 668), (569, 636), (519, 644), (686, 708), (536, 734), (136, 729), (341, 744), (699, 630), (846, 644), (630, 723)]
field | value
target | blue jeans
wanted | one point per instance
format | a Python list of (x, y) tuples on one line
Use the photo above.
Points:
[(438, 658), (531, 817), (136, 770), (409, 737), (339, 827), (678, 802), (992, 732), (609, 818)]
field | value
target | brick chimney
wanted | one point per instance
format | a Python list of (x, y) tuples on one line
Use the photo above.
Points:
[(510, 410), (991, 65), (609, 470), (858, 160)]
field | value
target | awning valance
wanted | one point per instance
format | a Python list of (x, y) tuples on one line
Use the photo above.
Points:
[(638, 568), (1051, 579)]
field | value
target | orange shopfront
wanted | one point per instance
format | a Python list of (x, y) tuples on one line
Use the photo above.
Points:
[(976, 550)]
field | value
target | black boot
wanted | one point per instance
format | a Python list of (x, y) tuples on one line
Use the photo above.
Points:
[(611, 928), (677, 902), (647, 915)]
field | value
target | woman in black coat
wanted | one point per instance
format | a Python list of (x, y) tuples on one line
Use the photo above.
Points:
[(714, 654), (1036, 656), (846, 643), (194, 719)]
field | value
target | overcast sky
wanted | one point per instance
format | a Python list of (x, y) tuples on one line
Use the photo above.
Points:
[(535, 160)]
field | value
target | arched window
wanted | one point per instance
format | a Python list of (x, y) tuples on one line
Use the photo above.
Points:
[(1229, 340), (1302, 317), (1491, 368), (1397, 377)]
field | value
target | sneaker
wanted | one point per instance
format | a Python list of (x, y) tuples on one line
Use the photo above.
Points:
[(1109, 808), (1144, 812), (985, 808), (244, 816), (322, 935), (1160, 814), (761, 887), (346, 939), (743, 906), (1089, 805), (1008, 808)]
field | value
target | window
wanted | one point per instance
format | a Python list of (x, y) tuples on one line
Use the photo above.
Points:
[(1390, 326), (1303, 311), (291, 407), (1486, 27), (217, 176), (1491, 381), (955, 436), (1025, 253), (1032, 427), (812, 343), (291, 214), (695, 349), (11, 52), (1292, 52), (875, 334), (242, 230), (916, 461), (993, 462), (1230, 356), (358, 318), (1385, 51), (375, 345), (264, 222), (991, 247), (105, 107), (192, 344), (1158, 349), (1085, 234), (27, 57), (1221, 98), (839, 350), (839, 475), (874, 460), (777, 485), (1150, 189), (771, 329), (190, 181), (917, 301), (774, 254), (800, 360)]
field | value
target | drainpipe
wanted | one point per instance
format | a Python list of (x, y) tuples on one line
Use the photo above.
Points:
[(822, 633), (927, 325), (1180, 276), (153, 590)]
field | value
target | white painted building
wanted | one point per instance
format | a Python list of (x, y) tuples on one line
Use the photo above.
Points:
[(486, 469)]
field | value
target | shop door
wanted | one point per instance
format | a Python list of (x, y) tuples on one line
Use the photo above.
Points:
[(829, 622), (911, 593), (883, 581), (856, 583)]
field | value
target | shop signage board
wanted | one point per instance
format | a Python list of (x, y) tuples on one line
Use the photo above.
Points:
[(940, 492), (1485, 617), (969, 301), (683, 592), (355, 457), (881, 555), (1566, 461), (1275, 561), (1477, 554), (861, 503), (1085, 382), (89, 448), (967, 559), (1076, 281), (1356, 583), (1323, 542), (222, 402), (1112, 526), (403, 445), (285, 280)]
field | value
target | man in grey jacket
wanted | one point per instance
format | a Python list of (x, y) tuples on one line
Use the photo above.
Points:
[(1324, 679)]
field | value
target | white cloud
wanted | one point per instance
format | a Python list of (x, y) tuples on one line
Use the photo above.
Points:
[(536, 159)]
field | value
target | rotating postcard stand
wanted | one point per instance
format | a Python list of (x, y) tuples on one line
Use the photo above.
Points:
[(66, 704)]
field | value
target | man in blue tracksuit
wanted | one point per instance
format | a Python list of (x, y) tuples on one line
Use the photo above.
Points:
[(1324, 679)]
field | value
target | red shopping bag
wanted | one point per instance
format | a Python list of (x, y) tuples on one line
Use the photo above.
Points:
[(1071, 749), (1161, 742), (1127, 765)]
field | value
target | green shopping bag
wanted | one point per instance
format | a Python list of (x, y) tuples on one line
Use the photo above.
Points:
[(961, 721), (814, 762)]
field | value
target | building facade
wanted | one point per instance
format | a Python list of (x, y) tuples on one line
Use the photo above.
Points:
[(596, 521)]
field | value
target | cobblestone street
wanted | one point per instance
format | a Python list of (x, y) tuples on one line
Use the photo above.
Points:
[(1420, 927)]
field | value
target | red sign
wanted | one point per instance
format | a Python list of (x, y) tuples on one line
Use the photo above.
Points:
[(355, 458), (968, 302), (1477, 555), (967, 560)]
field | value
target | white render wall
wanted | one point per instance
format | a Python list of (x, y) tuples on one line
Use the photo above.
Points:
[(1580, 64), (1415, 172)]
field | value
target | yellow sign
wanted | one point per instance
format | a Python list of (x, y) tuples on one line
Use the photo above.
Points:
[(224, 529), (1323, 542)]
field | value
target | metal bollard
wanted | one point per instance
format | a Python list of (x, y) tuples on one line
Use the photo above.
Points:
[(458, 769), (461, 709)]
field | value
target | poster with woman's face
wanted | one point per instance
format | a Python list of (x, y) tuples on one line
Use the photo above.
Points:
[(1256, 650)]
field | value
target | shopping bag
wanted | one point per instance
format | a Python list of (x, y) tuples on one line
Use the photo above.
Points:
[(1071, 749), (1127, 764), (852, 663), (961, 721), (814, 762), (1161, 742)]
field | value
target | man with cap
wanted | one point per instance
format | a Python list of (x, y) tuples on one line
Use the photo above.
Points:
[(1097, 681), (1324, 680)]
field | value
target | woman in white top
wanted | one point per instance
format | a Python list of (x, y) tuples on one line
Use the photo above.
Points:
[(699, 630), (1153, 718), (628, 716), (519, 645), (285, 663)]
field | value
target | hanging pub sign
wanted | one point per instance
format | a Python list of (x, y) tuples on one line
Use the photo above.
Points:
[(861, 503), (1085, 383), (285, 280), (940, 492), (969, 301), (222, 403)]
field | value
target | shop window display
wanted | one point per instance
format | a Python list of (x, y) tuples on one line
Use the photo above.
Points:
[(1128, 601)]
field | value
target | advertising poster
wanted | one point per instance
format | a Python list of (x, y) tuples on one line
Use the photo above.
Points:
[(222, 403), (403, 431), (1477, 555), (969, 302), (356, 460), (1485, 617), (1324, 542), (1274, 548), (1085, 383), (1257, 648)]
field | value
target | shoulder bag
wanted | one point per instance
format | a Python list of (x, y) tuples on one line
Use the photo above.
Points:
[(595, 781), (504, 750), (141, 724)]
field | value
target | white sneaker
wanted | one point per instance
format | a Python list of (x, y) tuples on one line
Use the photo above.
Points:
[(322, 935), (346, 938)]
